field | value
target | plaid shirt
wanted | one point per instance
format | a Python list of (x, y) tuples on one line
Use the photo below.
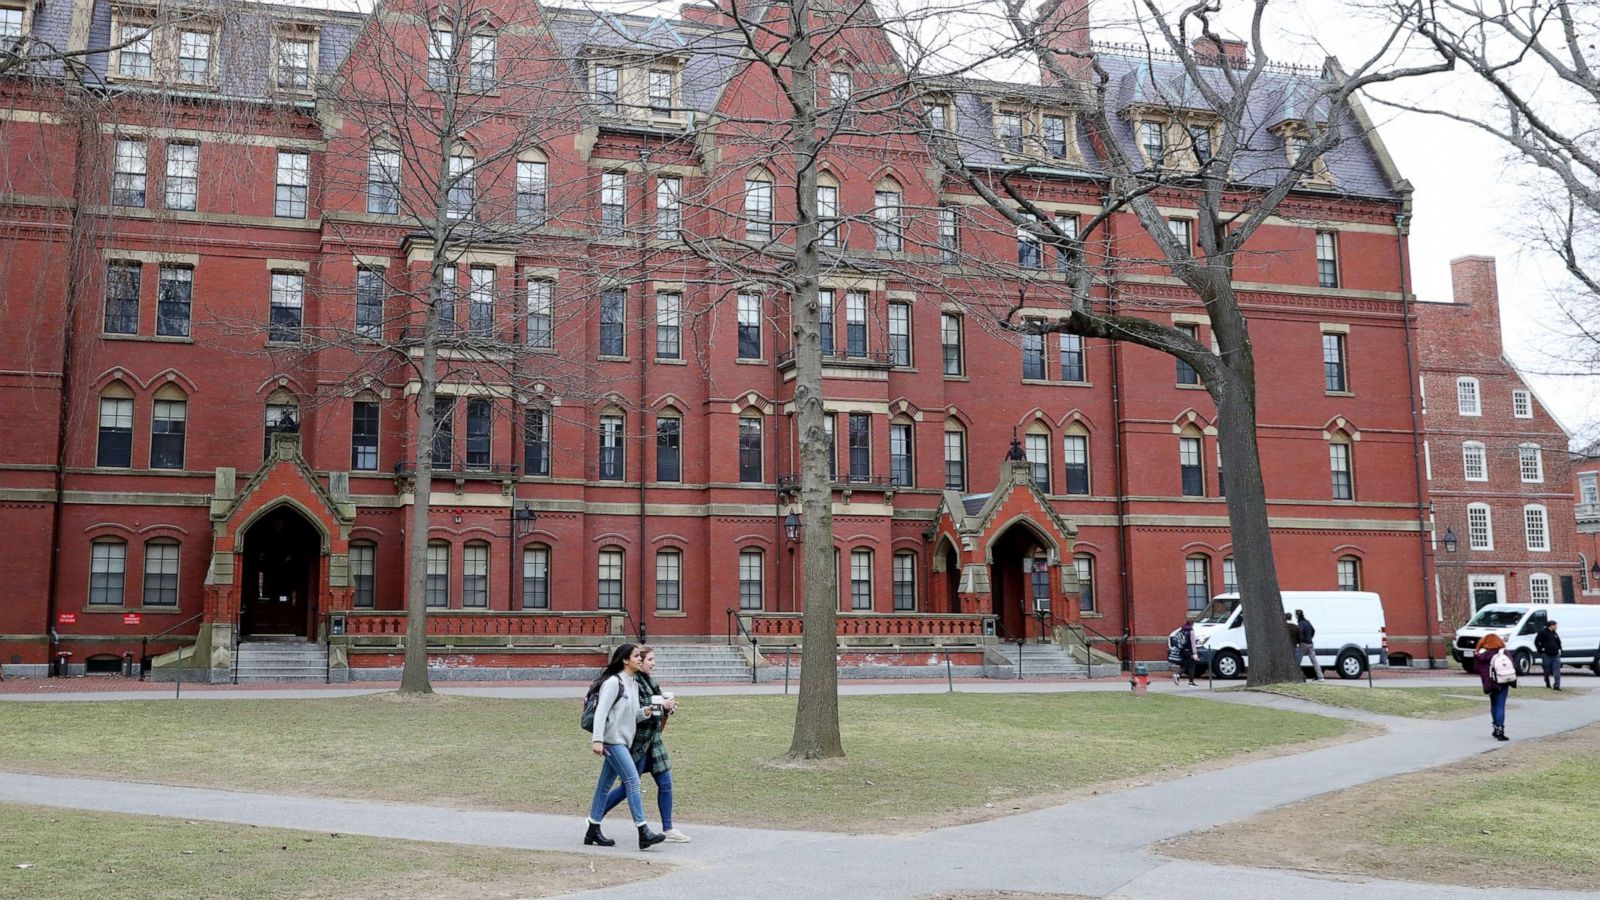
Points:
[(649, 753)]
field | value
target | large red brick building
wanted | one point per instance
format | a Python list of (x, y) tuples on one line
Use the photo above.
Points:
[(188, 457)]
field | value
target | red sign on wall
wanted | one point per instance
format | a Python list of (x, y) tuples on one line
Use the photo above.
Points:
[(131, 618), (67, 619)]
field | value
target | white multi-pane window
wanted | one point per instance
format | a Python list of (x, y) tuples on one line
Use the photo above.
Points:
[(886, 218), (540, 302), (751, 590), (1467, 397), (1339, 464), (1071, 351), (174, 297), (1536, 527), (905, 582), (294, 65), (758, 208), (194, 57), (169, 420), (1053, 132), (611, 449), (607, 83), (660, 92), (480, 300), (900, 454), (938, 117), (475, 575), (287, 306), (383, 181), (610, 579), (1589, 488), (1083, 567), (669, 213), (949, 235), (1327, 259), (1335, 378), (950, 342), (1037, 449), (861, 579), (1197, 582), (115, 449), (122, 297), (481, 54), (613, 200), (1474, 461), (441, 50), (134, 59), (128, 174), (536, 578), (183, 175), (1152, 141), (364, 573), (1541, 588), (855, 323), (437, 592), (1230, 576), (108, 562), (955, 460), (1190, 471), (293, 181), (1068, 227), (669, 580), (1480, 527), (749, 326), (669, 325), (160, 573), (1530, 462), (531, 189), (1522, 404), (1076, 458), (1348, 573), (900, 334), (1008, 127), (461, 194), (1183, 230), (839, 88), (828, 215)]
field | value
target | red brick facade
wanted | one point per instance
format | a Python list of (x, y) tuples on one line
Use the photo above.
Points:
[(1144, 541)]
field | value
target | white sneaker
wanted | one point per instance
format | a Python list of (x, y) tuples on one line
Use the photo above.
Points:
[(674, 836)]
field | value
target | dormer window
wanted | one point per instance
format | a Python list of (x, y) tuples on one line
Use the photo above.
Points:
[(1009, 126), (135, 59), (11, 28), (608, 89), (1200, 143), (294, 65), (194, 57), (1296, 143), (1054, 135), (1152, 142), (185, 56), (660, 92)]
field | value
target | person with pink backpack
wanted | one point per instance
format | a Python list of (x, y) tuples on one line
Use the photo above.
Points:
[(1498, 672)]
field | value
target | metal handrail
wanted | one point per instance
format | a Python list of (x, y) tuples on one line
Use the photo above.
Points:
[(238, 637), (755, 647), (144, 642), (327, 648), (637, 628)]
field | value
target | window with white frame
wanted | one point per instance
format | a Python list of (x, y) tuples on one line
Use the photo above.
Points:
[(1190, 471), (900, 334), (660, 92), (437, 590), (886, 216), (861, 579), (855, 323), (949, 235), (1183, 230), (609, 588), (108, 561), (1083, 563), (828, 228), (128, 174), (532, 181), (749, 336), (536, 441), (1530, 463), (1186, 373), (669, 213), (1037, 449), (955, 458), (135, 57), (1230, 576), (383, 181), (1152, 141), (900, 454), (1197, 581), (169, 421), (1467, 397), (950, 342), (1349, 573), (1071, 347), (1589, 487), (1076, 455), (1053, 133), (364, 436), (1541, 588), (669, 447), (160, 573), (174, 299), (1327, 259), (758, 207), (363, 573), (536, 577), (613, 304), (462, 178), (1008, 129), (1342, 468), (750, 453), (1480, 527), (287, 306), (482, 50), (541, 335), (183, 175), (905, 582), (669, 580), (611, 460), (752, 567), (840, 87), (1474, 461), (1068, 226), (1522, 404), (1335, 377), (1536, 527), (441, 54), (613, 200), (480, 300), (475, 575), (293, 181), (122, 297), (294, 65), (1032, 351), (669, 329), (194, 57), (607, 81)]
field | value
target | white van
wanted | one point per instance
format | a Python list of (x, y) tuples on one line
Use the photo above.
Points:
[(1520, 623), (1350, 631)]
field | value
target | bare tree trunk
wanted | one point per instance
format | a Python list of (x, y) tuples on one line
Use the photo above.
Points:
[(414, 677)]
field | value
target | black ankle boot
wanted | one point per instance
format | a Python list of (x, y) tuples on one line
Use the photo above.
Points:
[(648, 838), (1500, 733), (595, 837)]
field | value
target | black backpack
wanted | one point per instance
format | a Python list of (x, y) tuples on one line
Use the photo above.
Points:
[(1306, 631), (590, 704)]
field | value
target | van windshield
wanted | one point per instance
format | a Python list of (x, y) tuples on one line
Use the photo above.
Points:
[(1218, 612), (1497, 618)]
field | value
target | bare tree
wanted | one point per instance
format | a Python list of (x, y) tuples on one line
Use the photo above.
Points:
[(1202, 149)]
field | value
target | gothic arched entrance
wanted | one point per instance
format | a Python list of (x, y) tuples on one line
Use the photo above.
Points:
[(1018, 575), (282, 552)]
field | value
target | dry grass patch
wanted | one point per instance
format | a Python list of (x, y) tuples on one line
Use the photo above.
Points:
[(1409, 702), (1476, 822), (66, 854)]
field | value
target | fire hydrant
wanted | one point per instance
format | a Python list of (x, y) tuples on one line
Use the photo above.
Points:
[(1140, 682)]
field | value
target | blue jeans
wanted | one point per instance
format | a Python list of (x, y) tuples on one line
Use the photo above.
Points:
[(663, 797), (618, 764), (1552, 668), (1497, 705)]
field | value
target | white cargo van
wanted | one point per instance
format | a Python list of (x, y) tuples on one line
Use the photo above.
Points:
[(1520, 623), (1350, 632)]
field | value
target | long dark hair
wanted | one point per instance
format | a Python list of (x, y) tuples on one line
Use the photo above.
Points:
[(619, 656)]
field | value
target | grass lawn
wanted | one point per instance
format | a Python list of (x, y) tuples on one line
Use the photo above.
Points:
[(1527, 815), (70, 854), (913, 760), (1412, 703)]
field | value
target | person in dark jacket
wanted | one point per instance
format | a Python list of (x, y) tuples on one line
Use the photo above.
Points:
[(1483, 662), (1292, 630), (1181, 652), (1548, 643), (1307, 647)]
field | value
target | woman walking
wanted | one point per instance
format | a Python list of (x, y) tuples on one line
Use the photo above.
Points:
[(1499, 675), (649, 753), (617, 715)]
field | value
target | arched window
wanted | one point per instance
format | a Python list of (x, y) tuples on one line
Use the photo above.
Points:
[(115, 448), (441, 54), (1075, 458), (611, 456), (536, 577), (758, 205), (283, 415), (669, 580), (168, 424), (886, 215), (1197, 581), (481, 64), (905, 582), (1036, 446), (461, 179), (902, 450), (1349, 573), (1083, 565), (364, 432), (1341, 463), (532, 184), (160, 573), (955, 456), (108, 561), (1474, 461), (536, 441), (669, 446), (1191, 468), (861, 579), (752, 569), (475, 575), (364, 573), (383, 178), (750, 430), (438, 572), (829, 230), (609, 578), (1467, 403)]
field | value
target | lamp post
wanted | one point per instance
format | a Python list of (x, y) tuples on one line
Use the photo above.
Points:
[(522, 519), (793, 528)]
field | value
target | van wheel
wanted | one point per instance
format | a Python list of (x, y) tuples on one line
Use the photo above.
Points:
[(1227, 664), (1524, 661), (1350, 664)]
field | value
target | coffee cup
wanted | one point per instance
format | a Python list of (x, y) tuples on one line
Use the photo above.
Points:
[(658, 699)]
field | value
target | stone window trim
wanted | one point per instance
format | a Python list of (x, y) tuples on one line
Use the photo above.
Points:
[(633, 101), (1176, 134), (1032, 117), (295, 31), (1294, 133), (126, 23)]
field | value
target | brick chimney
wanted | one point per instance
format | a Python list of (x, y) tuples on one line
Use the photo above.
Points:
[(1064, 27), (1236, 53), (711, 15), (1473, 284)]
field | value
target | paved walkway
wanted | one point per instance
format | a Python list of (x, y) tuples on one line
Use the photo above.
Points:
[(1094, 846)]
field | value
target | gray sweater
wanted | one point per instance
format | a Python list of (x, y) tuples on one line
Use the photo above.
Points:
[(613, 723)]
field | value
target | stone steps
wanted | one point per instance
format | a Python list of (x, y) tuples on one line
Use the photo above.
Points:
[(700, 663), (1043, 660), (286, 662)]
